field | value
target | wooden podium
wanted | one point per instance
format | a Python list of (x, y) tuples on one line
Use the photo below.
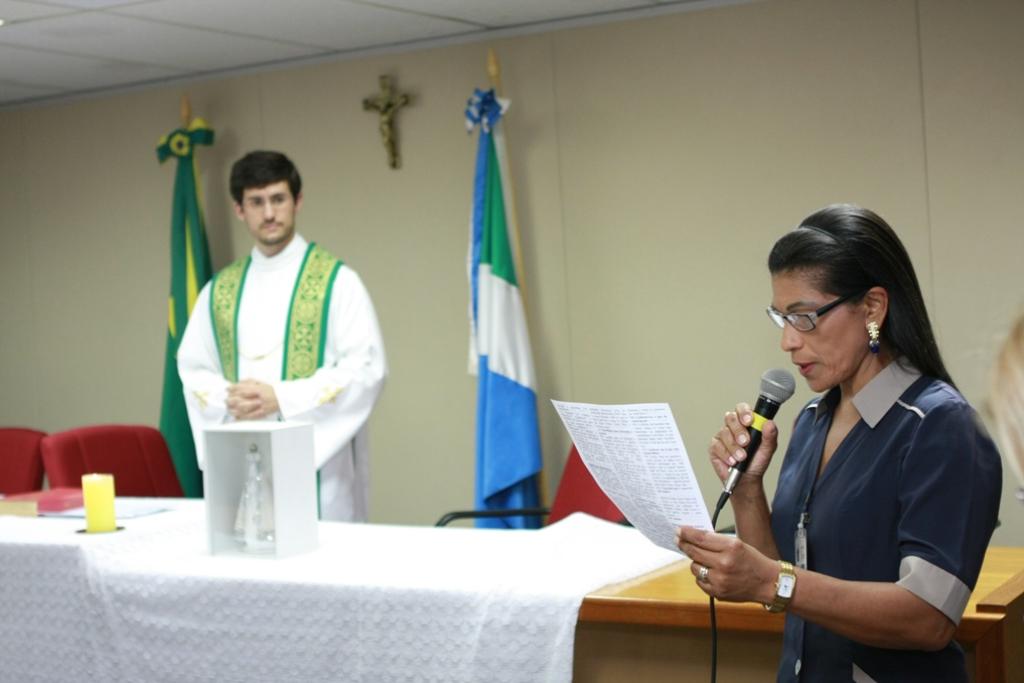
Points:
[(655, 628)]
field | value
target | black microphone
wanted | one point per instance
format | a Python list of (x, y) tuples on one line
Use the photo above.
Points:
[(777, 386)]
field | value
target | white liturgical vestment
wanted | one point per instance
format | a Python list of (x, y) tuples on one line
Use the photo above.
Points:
[(337, 398)]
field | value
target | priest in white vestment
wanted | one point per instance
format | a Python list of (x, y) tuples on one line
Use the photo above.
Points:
[(338, 396)]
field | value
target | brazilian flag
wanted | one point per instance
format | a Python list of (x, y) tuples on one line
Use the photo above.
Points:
[(190, 270)]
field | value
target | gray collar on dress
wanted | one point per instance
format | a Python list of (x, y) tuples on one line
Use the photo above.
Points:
[(877, 396)]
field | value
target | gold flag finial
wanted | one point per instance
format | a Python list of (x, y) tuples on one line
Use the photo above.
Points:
[(186, 111), (494, 70)]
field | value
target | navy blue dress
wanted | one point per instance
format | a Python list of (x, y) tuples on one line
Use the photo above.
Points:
[(909, 497)]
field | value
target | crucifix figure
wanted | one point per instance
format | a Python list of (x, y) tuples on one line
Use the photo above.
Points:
[(387, 104)]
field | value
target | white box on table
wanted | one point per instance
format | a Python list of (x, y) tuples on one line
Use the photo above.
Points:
[(289, 446)]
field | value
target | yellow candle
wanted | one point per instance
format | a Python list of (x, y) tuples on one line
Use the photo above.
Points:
[(98, 496)]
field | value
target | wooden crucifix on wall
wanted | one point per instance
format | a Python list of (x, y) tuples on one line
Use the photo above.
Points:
[(386, 104)]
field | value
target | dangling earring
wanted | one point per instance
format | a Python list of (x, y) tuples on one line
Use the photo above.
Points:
[(873, 335)]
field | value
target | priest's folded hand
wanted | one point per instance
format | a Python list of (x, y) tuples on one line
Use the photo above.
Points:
[(251, 400)]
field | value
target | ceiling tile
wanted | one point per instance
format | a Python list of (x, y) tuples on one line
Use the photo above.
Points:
[(330, 24), (116, 37), (91, 4), (71, 46), (12, 92), (70, 72), (498, 13), (13, 10)]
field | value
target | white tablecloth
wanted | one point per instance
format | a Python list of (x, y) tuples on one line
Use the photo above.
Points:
[(373, 604)]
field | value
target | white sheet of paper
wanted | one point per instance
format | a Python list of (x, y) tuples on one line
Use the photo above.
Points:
[(124, 508), (638, 459)]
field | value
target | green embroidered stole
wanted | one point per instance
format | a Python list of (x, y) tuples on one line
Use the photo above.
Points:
[(225, 294), (306, 329)]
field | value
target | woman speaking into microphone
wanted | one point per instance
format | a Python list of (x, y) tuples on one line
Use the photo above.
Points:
[(888, 492)]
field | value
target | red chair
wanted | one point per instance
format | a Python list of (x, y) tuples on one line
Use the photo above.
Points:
[(577, 492), (21, 465), (136, 455)]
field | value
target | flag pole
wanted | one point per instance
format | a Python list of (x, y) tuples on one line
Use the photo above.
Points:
[(494, 73), (186, 111)]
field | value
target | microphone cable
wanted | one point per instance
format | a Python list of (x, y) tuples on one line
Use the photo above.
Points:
[(777, 387), (711, 599)]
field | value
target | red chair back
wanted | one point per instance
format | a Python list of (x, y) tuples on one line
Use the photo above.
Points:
[(578, 492), (136, 455), (21, 464)]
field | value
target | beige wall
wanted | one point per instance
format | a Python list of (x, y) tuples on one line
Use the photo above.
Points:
[(655, 162)]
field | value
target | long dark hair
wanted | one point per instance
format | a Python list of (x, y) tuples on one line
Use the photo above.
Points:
[(848, 249)]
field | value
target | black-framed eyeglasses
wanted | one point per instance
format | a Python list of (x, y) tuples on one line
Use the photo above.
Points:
[(805, 322)]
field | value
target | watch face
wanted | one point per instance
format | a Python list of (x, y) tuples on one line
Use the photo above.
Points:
[(786, 584)]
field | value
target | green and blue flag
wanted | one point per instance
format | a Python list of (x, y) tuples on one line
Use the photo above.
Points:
[(508, 453)]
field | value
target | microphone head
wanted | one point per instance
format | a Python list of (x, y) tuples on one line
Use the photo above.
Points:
[(778, 385)]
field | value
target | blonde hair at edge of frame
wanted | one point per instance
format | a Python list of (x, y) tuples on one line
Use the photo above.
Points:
[(1007, 398)]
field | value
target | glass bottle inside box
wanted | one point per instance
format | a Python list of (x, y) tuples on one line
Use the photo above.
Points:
[(254, 522)]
